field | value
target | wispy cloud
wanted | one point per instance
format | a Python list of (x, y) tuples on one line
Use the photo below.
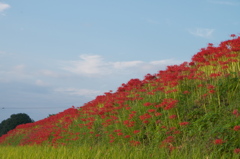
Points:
[(2, 53), (226, 2), (79, 92), (88, 65), (14, 73), (41, 83), (94, 65), (4, 6), (202, 32), (49, 73)]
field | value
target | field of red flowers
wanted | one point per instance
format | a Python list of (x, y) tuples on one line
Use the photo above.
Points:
[(194, 104)]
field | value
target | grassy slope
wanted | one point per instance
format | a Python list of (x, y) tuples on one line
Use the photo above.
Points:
[(187, 108)]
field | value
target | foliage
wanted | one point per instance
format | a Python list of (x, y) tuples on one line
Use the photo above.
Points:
[(13, 121)]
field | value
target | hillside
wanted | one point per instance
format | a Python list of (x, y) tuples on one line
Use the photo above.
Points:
[(194, 104)]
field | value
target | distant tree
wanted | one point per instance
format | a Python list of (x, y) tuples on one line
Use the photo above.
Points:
[(51, 115), (13, 122)]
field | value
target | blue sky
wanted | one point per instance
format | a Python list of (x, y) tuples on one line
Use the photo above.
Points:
[(57, 53)]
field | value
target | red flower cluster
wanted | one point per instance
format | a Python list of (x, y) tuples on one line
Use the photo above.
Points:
[(218, 142), (122, 115)]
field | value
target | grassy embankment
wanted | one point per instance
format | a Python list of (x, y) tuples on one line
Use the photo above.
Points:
[(186, 111)]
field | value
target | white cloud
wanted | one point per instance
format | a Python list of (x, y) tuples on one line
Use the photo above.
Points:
[(202, 32), (79, 92), (88, 65), (17, 72), (122, 65), (95, 66), (4, 6), (19, 68), (41, 83), (49, 73)]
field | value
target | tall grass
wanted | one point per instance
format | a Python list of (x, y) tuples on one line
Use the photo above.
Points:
[(105, 152)]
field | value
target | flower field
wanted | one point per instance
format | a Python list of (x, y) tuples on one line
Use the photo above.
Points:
[(189, 110)]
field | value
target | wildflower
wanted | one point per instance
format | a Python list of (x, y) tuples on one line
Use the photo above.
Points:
[(211, 91), (210, 86), (151, 110), (232, 35), (145, 121), (172, 128), (158, 114), (235, 112), (172, 116), (186, 92), (218, 141), (237, 151), (145, 116), (169, 139), (136, 131), (117, 130), (119, 134), (158, 121), (184, 123), (147, 104), (164, 127), (177, 132), (129, 123), (128, 108), (127, 136), (236, 128), (134, 143)]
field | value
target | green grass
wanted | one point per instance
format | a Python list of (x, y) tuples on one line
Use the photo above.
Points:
[(103, 152)]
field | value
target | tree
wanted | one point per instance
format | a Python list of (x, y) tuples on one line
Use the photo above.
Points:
[(12, 122)]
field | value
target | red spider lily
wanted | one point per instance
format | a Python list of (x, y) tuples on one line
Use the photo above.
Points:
[(118, 130), (218, 142), (177, 132), (172, 116), (129, 123), (186, 92), (128, 108), (235, 112), (211, 91), (145, 116), (147, 104), (134, 143), (215, 75), (184, 123), (145, 121), (169, 139), (164, 127), (236, 128), (158, 114), (151, 110), (119, 134), (237, 150), (127, 136), (232, 35), (136, 131)]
